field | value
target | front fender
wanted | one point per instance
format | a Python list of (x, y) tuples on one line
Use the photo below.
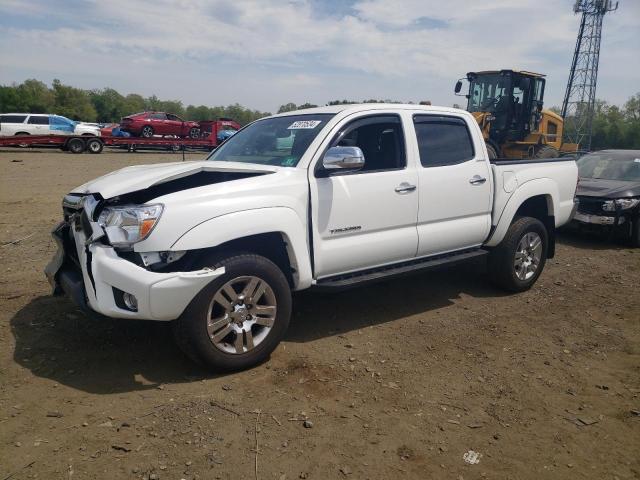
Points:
[(532, 188), (237, 225)]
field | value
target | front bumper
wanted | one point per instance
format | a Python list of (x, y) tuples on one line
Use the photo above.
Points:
[(599, 219), (90, 276)]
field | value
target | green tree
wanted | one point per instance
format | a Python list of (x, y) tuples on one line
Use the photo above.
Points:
[(36, 96), (10, 100), (287, 107), (110, 106), (134, 103), (72, 102)]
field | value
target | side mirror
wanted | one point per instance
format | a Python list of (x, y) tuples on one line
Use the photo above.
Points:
[(343, 158), (458, 86)]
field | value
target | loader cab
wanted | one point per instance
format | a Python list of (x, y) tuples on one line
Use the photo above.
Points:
[(508, 102)]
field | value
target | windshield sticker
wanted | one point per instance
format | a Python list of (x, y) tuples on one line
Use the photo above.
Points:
[(289, 162), (304, 124)]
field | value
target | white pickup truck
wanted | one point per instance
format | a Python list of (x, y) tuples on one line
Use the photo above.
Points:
[(328, 197)]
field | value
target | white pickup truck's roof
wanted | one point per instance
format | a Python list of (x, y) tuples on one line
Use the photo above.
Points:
[(360, 107)]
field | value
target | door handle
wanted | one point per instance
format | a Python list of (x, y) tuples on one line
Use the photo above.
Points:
[(477, 180), (405, 187)]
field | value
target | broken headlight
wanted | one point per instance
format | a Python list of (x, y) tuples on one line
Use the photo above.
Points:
[(620, 204), (129, 224)]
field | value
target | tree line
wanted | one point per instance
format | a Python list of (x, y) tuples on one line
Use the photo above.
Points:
[(106, 105), (613, 126)]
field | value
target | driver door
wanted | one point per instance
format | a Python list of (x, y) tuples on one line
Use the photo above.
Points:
[(174, 125), (366, 218)]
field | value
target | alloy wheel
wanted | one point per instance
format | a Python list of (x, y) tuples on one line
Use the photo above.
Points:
[(528, 256), (241, 314)]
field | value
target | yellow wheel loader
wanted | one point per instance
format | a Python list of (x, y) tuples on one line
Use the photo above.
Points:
[(507, 105)]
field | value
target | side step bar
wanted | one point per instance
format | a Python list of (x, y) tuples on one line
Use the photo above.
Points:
[(404, 268)]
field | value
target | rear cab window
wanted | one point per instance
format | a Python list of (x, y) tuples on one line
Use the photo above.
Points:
[(443, 140)]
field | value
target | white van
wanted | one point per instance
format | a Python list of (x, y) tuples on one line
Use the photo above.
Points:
[(43, 124)]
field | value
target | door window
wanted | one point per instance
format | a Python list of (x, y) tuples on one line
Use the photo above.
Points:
[(38, 120), (62, 123), (442, 140), (158, 116), (175, 118), (381, 140)]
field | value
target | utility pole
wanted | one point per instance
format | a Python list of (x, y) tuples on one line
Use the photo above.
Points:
[(580, 96)]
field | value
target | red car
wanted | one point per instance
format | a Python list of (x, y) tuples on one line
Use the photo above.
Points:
[(148, 124)]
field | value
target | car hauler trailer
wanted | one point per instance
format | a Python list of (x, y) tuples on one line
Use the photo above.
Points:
[(79, 144), (76, 144)]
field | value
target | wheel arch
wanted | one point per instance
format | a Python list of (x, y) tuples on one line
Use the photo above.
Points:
[(283, 241), (536, 198)]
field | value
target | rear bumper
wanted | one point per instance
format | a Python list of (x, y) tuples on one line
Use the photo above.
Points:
[(90, 281)]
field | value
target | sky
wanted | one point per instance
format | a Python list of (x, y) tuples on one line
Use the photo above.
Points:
[(264, 53)]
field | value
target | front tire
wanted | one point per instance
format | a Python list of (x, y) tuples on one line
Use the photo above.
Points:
[(517, 262), (194, 133), (547, 151), (237, 320), (635, 232)]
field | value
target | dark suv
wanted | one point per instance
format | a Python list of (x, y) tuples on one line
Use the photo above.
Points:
[(609, 192)]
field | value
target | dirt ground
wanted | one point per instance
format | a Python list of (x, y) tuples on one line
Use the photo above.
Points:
[(396, 380)]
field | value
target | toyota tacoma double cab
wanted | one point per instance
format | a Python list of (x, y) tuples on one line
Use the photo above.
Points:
[(356, 193)]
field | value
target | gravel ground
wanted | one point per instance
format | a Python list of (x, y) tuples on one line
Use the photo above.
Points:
[(397, 380)]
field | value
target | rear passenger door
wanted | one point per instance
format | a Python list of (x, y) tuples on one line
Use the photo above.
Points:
[(174, 125), (159, 123), (38, 125), (366, 218), (454, 183)]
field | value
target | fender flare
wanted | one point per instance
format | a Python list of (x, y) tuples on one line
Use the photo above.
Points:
[(282, 220), (533, 188)]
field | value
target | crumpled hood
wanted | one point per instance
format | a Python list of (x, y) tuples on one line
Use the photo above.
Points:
[(140, 177), (597, 187)]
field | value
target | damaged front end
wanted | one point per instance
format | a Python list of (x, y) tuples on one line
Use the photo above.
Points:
[(97, 268)]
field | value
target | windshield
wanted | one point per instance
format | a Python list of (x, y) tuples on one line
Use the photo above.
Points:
[(279, 141), (611, 165), (485, 92)]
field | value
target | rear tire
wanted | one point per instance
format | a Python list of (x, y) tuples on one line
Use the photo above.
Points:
[(76, 145), (94, 146), (208, 329), (517, 262), (547, 152), (493, 153), (147, 131)]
